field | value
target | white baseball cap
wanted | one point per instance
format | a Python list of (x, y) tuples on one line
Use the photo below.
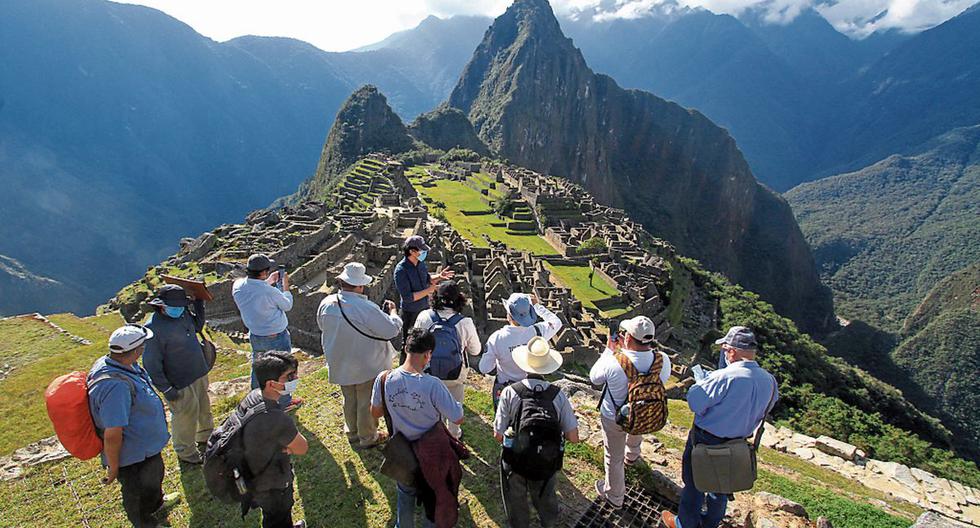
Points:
[(129, 337), (641, 328)]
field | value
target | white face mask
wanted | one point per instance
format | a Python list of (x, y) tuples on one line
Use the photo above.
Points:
[(290, 386)]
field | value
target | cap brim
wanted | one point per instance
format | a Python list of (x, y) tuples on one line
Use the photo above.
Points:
[(720, 341), (356, 282)]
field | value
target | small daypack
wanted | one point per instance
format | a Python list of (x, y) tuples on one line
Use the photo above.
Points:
[(67, 401), (538, 448), (225, 455), (447, 356), (645, 408)]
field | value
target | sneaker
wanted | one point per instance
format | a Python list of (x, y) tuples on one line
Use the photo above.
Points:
[(300, 524), (668, 519), (634, 462), (169, 501), (600, 489), (379, 440)]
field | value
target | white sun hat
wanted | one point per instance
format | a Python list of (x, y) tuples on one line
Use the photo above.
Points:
[(537, 357), (355, 274)]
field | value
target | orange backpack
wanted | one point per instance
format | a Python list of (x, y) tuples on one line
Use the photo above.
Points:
[(67, 401)]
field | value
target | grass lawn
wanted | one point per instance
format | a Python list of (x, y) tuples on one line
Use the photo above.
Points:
[(458, 197), (576, 278), (51, 355)]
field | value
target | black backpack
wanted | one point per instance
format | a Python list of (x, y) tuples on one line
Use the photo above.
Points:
[(225, 454), (538, 449)]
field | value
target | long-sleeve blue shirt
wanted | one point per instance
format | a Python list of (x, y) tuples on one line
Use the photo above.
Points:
[(263, 306), (411, 278), (733, 401), (174, 358)]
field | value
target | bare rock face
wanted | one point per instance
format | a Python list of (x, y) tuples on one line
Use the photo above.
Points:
[(775, 502), (837, 448), (533, 99), (446, 128), (934, 520)]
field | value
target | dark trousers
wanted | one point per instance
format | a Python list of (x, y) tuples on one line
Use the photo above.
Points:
[(277, 507), (516, 489), (698, 509), (498, 387), (408, 322), (142, 490)]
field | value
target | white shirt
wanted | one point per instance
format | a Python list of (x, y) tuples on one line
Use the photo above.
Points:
[(607, 370), (501, 343), (263, 306), (469, 339), (351, 357)]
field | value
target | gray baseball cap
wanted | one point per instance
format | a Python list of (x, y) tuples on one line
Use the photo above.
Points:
[(739, 337), (416, 242), (260, 262)]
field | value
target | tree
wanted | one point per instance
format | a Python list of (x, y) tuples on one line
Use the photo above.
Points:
[(593, 245)]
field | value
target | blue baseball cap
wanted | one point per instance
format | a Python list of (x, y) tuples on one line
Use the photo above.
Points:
[(520, 309)]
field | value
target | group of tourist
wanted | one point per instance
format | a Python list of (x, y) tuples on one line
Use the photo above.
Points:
[(421, 399)]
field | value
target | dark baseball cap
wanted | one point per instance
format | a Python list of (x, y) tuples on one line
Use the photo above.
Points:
[(170, 295), (416, 242), (260, 262), (739, 337)]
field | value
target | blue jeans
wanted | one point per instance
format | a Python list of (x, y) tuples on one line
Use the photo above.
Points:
[(692, 512), (406, 509), (263, 344)]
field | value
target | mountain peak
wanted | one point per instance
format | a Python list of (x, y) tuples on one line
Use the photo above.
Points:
[(533, 99), (364, 124)]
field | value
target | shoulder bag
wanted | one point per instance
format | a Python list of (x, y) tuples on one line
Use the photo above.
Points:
[(731, 466), (399, 461)]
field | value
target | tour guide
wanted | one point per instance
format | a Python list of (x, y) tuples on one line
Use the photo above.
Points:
[(730, 403), (413, 282)]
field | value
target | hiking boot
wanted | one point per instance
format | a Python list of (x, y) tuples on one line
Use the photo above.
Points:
[(668, 519), (635, 461)]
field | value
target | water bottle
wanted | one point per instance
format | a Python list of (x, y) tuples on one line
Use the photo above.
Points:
[(624, 414), (509, 438), (240, 482)]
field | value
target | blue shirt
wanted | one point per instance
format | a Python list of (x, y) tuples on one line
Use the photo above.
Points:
[(733, 401), (143, 422), (416, 402), (411, 278), (263, 306)]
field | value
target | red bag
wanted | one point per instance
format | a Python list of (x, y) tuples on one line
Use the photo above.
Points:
[(67, 402)]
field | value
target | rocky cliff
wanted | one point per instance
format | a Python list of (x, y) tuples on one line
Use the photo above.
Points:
[(445, 128), (534, 100), (364, 124)]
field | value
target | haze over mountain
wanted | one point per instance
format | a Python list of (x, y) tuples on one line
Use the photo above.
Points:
[(533, 100), (121, 130)]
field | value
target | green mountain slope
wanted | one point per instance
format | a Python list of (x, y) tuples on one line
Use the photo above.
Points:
[(885, 235), (941, 351), (534, 100)]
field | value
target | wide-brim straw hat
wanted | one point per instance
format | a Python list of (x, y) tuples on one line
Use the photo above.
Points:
[(537, 357)]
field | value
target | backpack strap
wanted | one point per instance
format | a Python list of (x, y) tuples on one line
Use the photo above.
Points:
[(628, 368), (537, 331), (384, 404), (762, 425), (455, 319)]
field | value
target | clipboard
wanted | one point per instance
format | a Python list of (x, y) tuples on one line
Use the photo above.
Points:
[(197, 288)]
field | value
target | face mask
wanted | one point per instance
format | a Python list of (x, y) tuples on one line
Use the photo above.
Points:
[(422, 255), (174, 311), (290, 386)]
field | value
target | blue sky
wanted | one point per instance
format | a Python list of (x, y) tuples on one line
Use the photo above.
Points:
[(338, 25)]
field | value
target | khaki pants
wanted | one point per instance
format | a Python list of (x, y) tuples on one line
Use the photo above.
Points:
[(358, 422), (191, 420), (457, 388), (618, 446)]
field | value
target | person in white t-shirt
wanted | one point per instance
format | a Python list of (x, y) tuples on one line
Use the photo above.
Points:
[(523, 311), (447, 303), (635, 341)]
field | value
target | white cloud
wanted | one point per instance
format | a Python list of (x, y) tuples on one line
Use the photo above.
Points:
[(340, 25)]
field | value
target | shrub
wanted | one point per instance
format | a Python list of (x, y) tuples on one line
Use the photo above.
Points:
[(593, 245)]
